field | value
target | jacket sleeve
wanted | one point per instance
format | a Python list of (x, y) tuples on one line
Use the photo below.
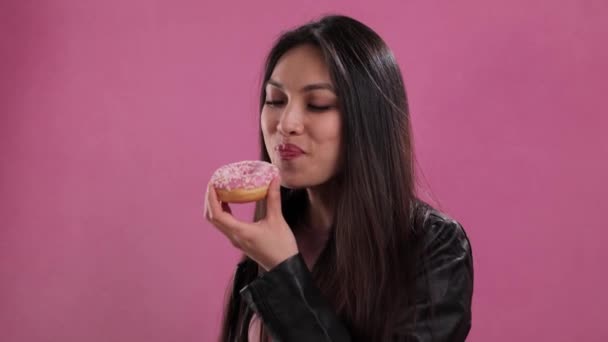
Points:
[(293, 308), (444, 288)]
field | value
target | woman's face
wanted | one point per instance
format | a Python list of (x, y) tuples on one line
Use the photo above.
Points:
[(301, 122)]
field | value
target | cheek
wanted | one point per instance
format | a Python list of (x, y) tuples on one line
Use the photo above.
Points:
[(267, 123), (329, 135), (334, 130), (336, 141)]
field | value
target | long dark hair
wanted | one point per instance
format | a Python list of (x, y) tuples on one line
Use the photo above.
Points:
[(367, 268)]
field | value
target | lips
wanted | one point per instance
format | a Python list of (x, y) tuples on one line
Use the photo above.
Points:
[(289, 151)]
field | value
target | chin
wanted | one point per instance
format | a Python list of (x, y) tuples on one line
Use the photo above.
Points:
[(291, 180), (293, 184)]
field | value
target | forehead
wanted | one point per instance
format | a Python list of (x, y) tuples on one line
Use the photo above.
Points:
[(301, 65)]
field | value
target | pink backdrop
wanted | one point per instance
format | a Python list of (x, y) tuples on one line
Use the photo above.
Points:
[(115, 113)]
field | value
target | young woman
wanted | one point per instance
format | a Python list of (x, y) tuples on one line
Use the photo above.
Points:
[(342, 249)]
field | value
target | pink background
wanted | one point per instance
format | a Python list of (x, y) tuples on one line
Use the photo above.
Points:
[(114, 114)]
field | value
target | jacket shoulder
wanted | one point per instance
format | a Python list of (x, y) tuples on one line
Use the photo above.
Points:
[(440, 229)]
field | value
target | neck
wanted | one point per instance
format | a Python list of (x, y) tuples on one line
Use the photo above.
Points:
[(321, 208)]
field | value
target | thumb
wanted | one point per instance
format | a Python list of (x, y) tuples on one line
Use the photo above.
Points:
[(273, 199)]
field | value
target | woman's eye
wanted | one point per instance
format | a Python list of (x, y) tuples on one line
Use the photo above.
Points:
[(311, 107), (274, 103), (318, 108)]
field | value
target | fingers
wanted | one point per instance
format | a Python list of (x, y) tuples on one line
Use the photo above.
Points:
[(206, 205), (220, 215), (226, 208), (273, 199)]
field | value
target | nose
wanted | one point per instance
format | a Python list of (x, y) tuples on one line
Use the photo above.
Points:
[(290, 122)]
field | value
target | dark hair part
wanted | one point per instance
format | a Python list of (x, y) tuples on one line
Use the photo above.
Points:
[(366, 271)]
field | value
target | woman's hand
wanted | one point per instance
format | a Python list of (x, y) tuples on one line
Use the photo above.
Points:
[(268, 241)]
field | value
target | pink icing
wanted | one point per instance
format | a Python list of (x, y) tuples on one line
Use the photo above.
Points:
[(248, 174)]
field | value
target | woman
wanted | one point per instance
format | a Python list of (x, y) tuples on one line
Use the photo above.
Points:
[(342, 249)]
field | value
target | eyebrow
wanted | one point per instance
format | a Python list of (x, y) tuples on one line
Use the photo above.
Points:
[(309, 87)]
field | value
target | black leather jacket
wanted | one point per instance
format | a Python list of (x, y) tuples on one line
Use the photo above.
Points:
[(293, 308)]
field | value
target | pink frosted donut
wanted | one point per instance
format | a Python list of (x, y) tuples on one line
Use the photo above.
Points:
[(244, 181)]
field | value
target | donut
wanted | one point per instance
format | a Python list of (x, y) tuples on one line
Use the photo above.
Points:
[(244, 181)]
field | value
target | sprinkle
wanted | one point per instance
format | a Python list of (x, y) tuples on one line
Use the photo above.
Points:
[(248, 174)]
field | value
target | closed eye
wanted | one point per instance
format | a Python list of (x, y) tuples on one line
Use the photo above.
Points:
[(318, 108), (311, 107), (274, 103)]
